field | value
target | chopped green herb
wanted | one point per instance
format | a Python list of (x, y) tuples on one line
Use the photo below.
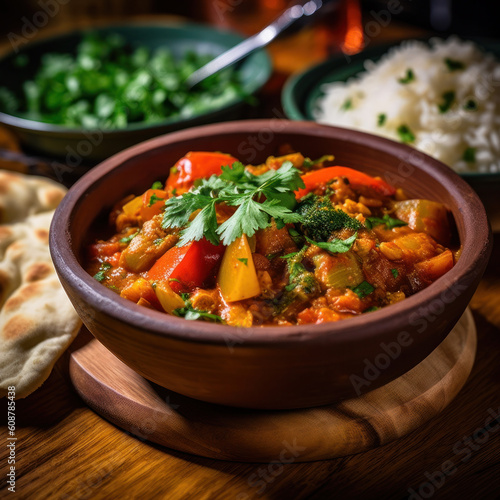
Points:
[(245, 261), (335, 246), (453, 64), (290, 287), (154, 199), (381, 118), (409, 77), (346, 105), (114, 288), (390, 222), (259, 198), (289, 255), (190, 313), (174, 192), (395, 272), (448, 100), (157, 185), (128, 239), (405, 134), (158, 241), (363, 289), (271, 256), (308, 163), (101, 274), (371, 309), (470, 105), (469, 155)]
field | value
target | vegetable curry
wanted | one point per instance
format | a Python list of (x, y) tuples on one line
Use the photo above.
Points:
[(290, 241)]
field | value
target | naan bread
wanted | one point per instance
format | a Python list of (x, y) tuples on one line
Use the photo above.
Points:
[(37, 320), (23, 195)]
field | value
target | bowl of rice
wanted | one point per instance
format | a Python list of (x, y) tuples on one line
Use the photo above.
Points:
[(440, 96)]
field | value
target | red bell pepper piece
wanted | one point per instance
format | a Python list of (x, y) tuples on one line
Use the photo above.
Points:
[(355, 177), (188, 267), (151, 207), (196, 165)]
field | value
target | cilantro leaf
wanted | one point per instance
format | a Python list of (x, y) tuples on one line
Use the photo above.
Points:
[(347, 104), (154, 199), (381, 118), (389, 222), (395, 273), (335, 246), (190, 313), (259, 198), (128, 239), (157, 185), (245, 261), (101, 274), (363, 289)]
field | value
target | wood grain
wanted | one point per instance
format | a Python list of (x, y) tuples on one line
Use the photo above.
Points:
[(118, 393)]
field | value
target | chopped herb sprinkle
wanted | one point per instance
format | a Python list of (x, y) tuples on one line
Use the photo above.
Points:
[(157, 185), (346, 105), (101, 274), (405, 134), (409, 77), (381, 118), (245, 261), (363, 289), (469, 155), (470, 105), (395, 272), (453, 64), (448, 100)]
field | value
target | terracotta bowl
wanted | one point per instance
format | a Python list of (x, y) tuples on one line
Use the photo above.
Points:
[(270, 367)]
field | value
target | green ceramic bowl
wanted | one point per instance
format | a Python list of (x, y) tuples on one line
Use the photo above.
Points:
[(302, 91), (77, 145)]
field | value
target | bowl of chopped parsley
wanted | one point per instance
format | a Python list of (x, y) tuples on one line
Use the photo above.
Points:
[(86, 95)]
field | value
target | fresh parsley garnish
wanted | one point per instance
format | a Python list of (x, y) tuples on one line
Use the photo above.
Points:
[(190, 313), (409, 77), (395, 273), (363, 289), (469, 155), (158, 241), (390, 222), (405, 134), (157, 185), (347, 104), (154, 199), (101, 274), (335, 246), (381, 118), (453, 64), (448, 100), (245, 261), (371, 309), (259, 199), (128, 239)]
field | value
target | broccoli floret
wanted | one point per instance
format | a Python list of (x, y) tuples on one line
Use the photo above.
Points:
[(321, 218)]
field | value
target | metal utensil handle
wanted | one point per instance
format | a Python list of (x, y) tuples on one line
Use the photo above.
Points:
[(255, 42)]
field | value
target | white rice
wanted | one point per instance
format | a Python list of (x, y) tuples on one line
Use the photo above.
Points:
[(445, 135)]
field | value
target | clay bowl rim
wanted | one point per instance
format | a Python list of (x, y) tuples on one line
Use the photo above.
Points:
[(374, 324)]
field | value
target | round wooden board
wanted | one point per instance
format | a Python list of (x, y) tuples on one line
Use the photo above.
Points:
[(150, 412)]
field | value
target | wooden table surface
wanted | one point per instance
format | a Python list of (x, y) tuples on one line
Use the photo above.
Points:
[(66, 451)]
